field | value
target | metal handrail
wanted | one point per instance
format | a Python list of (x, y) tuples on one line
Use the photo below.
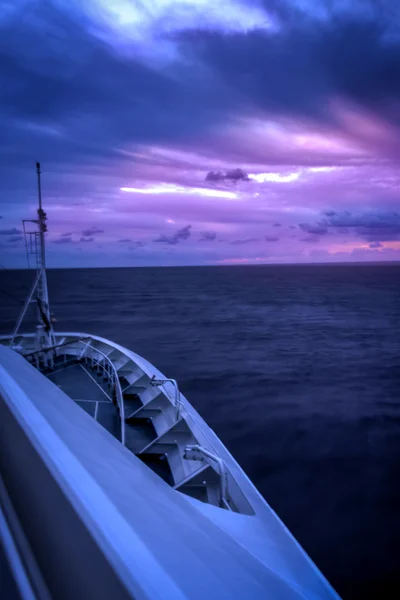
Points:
[(197, 448), (120, 397), (182, 408), (159, 382), (48, 348), (192, 452)]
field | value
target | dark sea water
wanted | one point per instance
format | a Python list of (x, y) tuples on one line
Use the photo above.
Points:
[(297, 369)]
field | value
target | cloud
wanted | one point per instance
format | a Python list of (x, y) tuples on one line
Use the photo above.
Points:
[(15, 238), (242, 242), (277, 225), (13, 231), (103, 95), (66, 234), (230, 175), (208, 236), (215, 176), (125, 240), (236, 175), (271, 238), (350, 54), (92, 231), (178, 236), (310, 239), (136, 245), (373, 225), (375, 245), (62, 240), (100, 93), (318, 228), (86, 239), (92, 105)]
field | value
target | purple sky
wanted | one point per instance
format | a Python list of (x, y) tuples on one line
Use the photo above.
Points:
[(201, 132)]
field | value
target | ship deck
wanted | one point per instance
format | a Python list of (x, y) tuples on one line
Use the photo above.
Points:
[(91, 392), (60, 448)]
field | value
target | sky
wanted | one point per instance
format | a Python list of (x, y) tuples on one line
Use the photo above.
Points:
[(200, 132)]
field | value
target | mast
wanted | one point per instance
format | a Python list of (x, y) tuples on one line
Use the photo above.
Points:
[(35, 245), (41, 256)]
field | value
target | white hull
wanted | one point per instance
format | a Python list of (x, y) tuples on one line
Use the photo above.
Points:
[(231, 507)]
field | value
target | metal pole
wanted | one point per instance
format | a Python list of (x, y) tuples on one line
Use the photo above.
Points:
[(39, 187), (21, 317), (42, 230), (42, 291)]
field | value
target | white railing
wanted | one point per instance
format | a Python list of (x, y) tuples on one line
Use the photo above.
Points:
[(178, 402), (112, 375), (196, 452)]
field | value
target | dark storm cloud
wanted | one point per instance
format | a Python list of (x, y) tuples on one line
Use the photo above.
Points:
[(175, 238), (208, 236)]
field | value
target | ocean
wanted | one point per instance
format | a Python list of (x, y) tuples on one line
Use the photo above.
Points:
[(296, 368)]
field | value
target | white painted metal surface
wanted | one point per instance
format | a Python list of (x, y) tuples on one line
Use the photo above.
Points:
[(165, 540)]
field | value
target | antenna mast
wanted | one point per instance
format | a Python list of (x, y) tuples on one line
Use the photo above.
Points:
[(35, 243), (41, 254)]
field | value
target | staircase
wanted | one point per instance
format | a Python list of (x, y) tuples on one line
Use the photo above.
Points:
[(154, 431)]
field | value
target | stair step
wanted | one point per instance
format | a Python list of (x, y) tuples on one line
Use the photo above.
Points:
[(180, 438), (145, 413), (199, 492), (134, 375), (159, 464), (175, 462), (180, 467), (131, 403), (195, 478), (204, 484), (121, 362), (131, 396), (152, 400), (138, 434)]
